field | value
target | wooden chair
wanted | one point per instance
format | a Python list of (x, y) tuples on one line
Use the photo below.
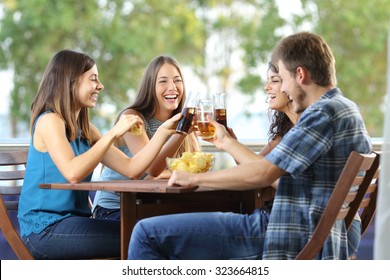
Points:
[(12, 170), (11, 176), (367, 205), (344, 201)]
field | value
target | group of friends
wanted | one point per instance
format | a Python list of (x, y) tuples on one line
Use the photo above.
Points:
[(313, 130)]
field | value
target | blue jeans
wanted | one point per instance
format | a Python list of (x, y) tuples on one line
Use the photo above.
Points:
[(201, 236), (354, 236), (208, 236), (76, 238), (105, 213)]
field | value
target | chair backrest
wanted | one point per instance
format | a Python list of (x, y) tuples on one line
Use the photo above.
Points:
[(12, 164), (344, 196), (367, 198)]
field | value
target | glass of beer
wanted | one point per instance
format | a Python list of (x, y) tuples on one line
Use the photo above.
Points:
[(188, 112), (205, 108), (219, 100)]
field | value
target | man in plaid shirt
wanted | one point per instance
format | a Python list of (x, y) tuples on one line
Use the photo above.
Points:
[(307, 162)]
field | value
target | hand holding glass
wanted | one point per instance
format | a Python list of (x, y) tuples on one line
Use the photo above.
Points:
[(205, 108), (188, 112), (220, 108)]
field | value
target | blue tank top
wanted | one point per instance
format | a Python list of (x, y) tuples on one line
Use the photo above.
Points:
[(111, 200), (39, 208)]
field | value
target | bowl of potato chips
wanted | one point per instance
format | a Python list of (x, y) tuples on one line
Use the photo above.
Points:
[(197, 162)]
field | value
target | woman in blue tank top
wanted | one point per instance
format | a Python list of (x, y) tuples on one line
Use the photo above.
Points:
[(66, 147), (160, 96)]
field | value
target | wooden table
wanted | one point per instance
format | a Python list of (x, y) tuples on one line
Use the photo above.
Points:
[(146, 198)]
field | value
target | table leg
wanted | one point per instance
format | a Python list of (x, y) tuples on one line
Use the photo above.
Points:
[(253, 199), (128, 220)]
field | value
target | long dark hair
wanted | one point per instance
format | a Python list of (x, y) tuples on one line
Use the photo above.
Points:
[(57, 92), (280, 122), (146, 101)]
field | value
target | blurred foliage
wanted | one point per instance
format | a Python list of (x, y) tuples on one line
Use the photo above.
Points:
[(357, 32), (218, 39), (122, 36)]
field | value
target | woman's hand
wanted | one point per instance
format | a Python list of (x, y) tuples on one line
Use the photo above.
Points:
[(194, 126), (231, 132), (169, 126), (124, 125)]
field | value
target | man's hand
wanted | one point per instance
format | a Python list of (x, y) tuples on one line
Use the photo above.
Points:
[(222, 137), (181, 178)]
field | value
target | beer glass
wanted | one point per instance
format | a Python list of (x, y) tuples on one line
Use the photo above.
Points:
[(205, 108), (219, 100), (188, 113)]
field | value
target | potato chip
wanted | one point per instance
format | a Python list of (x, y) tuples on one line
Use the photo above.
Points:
[(136, 130), (197, 162)]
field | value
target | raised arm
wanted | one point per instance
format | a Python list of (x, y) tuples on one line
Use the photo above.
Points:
[(136, 143), (50, 136), (223, 140), (142, 160)]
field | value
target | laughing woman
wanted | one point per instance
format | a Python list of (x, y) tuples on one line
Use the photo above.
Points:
[(160, 96), (66, 147)]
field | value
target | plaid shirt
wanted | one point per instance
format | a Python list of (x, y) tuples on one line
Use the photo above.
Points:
[(313, 154)]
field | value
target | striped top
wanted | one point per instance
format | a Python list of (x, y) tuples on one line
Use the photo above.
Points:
[(111, 200)]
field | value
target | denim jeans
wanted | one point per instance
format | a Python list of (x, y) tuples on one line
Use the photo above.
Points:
[(105, 213), (354, 236), (76, 238), (202, 236)]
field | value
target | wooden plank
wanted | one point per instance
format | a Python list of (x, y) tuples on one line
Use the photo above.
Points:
[(147, 186)]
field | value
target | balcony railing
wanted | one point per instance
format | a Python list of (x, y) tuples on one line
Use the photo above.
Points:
[(22, 143)]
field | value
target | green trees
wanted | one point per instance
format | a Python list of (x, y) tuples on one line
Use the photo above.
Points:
[(218, 39), (357, 32), (122, 36)]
